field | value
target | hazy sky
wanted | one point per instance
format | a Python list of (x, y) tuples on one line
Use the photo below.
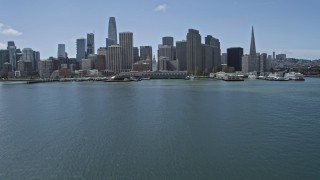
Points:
[(284, 26)]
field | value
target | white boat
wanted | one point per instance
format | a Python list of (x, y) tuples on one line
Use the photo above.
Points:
[(191, 77), (294, 76), (146, 78), (252, 76)]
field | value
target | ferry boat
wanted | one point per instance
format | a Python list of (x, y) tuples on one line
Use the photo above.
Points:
[(232, 77)]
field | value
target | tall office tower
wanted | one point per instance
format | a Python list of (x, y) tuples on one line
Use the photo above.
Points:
[(166, 51), (28, 56), (112, 30), (11, 43), (90, 44), (81, 49), (235, 58), (4, 57), (109, 42), (114, 58), (263, 62), (181, 54), (126, 43), (207, 58), (61, 51), (146, 52), (194, 52), (136, 56), (274, 55), (36, 55), (253, 51), (254, 60), (245, 63), (224, 58), (12, 54), (215, 43), (167, 41)]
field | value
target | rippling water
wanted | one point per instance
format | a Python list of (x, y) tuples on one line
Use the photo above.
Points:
[(161, 129)]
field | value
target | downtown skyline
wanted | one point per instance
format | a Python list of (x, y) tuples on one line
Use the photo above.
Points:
[(275, 31)]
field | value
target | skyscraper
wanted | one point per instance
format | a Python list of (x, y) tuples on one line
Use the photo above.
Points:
[(215, 43), (145, 52), (253, 51), (61, 51), (12, 54), (112, 30), (224, 58), (81, 49), (166, 51), (181, 50), (234, 58), (109, 42), (254, 59), (168, 40), (90, 44), (126, 43), (114, 58), (136, 57), (194, 52), (264, 62), (207, 58), (4, 57)]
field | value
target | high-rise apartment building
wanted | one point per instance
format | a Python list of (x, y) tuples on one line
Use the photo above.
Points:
[(126, 44), (90, 44), (181, 54), (81, 49), (112, 30), (234, 58), (194, 52)]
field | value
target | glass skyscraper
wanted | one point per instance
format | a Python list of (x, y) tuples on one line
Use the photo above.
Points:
[(112, 30)]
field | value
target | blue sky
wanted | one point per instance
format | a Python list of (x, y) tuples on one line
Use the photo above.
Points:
[(283, 26)]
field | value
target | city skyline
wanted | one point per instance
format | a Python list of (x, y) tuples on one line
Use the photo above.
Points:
[(281, 27)]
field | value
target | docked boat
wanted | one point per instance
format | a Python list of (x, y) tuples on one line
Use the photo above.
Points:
[(276, 77), (191, 77), (294, 76), (118, 79), (232, 77), (280, 79), (252, 76), (145, 78)]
